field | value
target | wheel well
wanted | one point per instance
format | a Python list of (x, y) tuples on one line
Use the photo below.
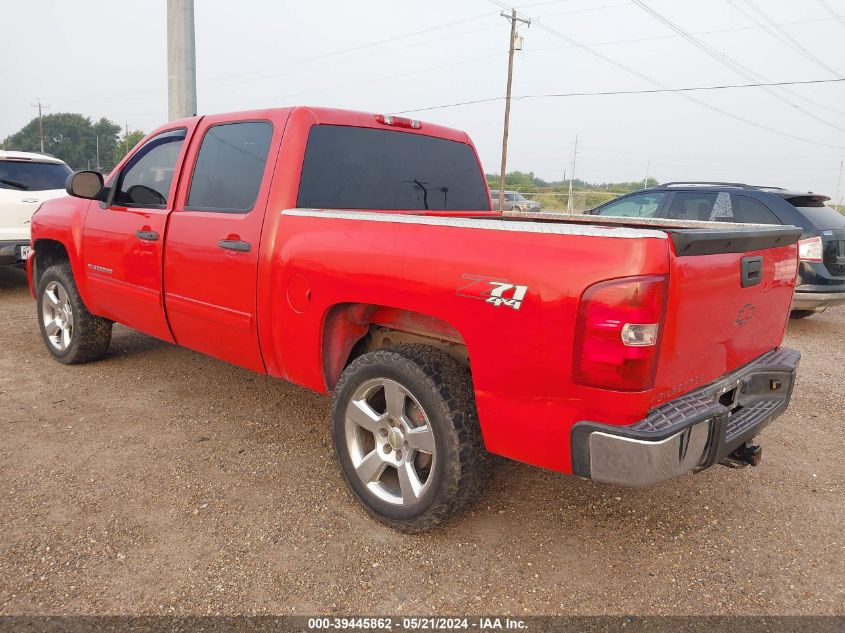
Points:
[(47, 253), (353, 329)]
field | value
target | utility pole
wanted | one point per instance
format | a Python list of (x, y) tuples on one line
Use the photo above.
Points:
[(181, 60), (98, 151), (647, 170), (838, 199), (572, 176), (126, 141), (40, 121), (513, 20)]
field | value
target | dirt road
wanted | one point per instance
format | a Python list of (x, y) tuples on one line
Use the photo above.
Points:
[(161, 481)]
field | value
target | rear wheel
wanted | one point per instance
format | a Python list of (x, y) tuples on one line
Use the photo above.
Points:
[(801, 314), (406, 436), (70, 332)]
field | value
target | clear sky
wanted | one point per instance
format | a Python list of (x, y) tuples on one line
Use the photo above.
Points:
[(108, 58)]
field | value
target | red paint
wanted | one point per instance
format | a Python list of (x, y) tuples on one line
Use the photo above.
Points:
[(296, 303)]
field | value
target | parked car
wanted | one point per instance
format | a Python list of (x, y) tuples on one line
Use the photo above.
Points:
[(26, 180), (258, 238), (515, 201), (821, 271)]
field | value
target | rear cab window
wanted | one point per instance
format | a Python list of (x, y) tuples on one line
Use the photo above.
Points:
[(365, 168)]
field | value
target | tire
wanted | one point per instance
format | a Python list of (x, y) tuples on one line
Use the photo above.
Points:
[(404, 421), (70, 332), (801, 314)]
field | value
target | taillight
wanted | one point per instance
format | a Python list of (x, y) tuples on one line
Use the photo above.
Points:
[(810, 250), (398, 121), (617, 337)]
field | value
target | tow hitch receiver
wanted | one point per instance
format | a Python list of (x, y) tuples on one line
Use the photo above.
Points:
[(745, 455)]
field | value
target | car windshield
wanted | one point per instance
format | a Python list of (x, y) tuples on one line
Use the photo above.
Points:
[(32, 176), (518, 196)]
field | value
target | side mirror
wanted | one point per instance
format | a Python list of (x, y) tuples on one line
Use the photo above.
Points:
[(85, 184)]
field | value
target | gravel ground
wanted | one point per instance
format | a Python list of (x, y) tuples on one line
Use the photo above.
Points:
[(159, 481)]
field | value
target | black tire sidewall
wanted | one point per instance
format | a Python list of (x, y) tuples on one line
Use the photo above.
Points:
[(61, 275), (404, 371)]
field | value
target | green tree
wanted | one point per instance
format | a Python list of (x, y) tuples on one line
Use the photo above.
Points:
[(72, 137)]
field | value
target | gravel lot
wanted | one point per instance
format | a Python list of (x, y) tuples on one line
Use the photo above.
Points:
[(160, 481)]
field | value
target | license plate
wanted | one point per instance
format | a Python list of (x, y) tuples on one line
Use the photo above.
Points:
[(24, 252)]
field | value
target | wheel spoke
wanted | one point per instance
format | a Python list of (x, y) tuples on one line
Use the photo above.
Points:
[(52, 328), (364, 416), (371, 467), (52, 298), (61, 295), (394, 398), (66, 336), (421, 439), (409, 483)]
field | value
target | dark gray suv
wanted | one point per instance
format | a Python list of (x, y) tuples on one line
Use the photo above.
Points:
[(821, 250)]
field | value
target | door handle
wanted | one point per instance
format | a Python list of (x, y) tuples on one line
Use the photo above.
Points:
[(235, 245), (150, 236)]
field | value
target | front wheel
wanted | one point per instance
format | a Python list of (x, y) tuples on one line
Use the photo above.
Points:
[(70, 332), (406, 435)]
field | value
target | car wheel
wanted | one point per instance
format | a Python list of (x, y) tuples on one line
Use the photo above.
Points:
[(70, 332), (801, 314), (406, 436)]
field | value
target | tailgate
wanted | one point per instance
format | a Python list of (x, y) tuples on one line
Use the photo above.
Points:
[(729, 297)]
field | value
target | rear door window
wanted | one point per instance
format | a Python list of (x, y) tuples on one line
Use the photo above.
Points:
[(751, 210), (230, 167), (702, 206), (366, 168), (642, 205)]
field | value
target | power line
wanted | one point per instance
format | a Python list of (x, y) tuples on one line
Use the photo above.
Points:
[(355, 48), (833, 13), (728, 62), (791, 40), (299, 68), (604, 93), (673, 36), (656, 82)]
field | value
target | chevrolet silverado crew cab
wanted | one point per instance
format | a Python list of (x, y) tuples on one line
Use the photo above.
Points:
[(26, 180), (358, 255)]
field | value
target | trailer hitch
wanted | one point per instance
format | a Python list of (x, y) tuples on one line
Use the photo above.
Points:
[(745, 455)]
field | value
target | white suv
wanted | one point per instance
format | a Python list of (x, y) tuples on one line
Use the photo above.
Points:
[(26, 180)]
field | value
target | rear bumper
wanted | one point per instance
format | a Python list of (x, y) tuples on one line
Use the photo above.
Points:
[(803, 300), (10, 251), (692, 432)]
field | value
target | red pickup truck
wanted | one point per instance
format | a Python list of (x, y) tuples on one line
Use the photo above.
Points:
[(359, 255)]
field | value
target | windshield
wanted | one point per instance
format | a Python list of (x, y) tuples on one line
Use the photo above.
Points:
[(365, 168), (519, 197), (32, 176)]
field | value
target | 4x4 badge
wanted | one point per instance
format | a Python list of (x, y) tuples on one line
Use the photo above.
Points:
[(497, 292)]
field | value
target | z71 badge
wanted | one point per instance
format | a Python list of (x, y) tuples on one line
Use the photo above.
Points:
[(498, 292)]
